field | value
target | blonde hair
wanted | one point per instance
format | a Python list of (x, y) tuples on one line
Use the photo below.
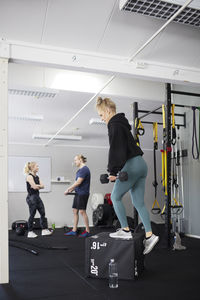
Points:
[(103, 104), (83, 158), (28, 167)]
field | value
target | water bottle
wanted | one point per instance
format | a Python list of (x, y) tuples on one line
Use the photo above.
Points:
[(53, 226), (113, 275)]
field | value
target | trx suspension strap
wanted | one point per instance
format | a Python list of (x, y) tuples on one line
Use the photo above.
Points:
[(194, 136), (139, 130), (155, 210), (173, 126)]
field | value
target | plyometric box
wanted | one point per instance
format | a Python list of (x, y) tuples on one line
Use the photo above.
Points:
[(128, 254)]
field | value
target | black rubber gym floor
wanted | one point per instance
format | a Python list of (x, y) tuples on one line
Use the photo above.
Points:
[(59, 274)]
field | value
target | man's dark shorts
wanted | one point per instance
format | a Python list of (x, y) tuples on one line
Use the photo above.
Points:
[(80, 201)]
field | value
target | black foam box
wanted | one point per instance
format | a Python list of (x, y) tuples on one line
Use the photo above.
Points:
[(36, 223), (128, 254)]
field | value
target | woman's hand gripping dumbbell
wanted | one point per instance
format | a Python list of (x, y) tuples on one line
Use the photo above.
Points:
[(122, 176)]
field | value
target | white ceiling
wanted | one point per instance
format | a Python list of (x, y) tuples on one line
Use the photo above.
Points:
[(95, 26)]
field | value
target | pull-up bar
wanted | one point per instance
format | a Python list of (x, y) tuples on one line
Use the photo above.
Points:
[(187, 106), (158, 112), (159, 123), (185, 93)]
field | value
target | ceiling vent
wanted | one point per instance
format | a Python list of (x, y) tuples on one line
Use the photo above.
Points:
[(35, 94), (163, 10)]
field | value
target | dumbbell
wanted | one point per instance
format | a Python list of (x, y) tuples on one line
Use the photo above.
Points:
[(122, 176), (71, 194)]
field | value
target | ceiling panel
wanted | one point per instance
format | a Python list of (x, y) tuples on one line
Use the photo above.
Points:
[(77, 24), (22, 20), (127, 32), (178, 45)]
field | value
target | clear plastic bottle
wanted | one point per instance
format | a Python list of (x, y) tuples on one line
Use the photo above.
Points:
[(113, 274)]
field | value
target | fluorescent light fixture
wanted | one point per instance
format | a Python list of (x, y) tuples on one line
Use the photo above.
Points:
[(58, 137), (27, 117), (76, 81), (36, 94), (96, 121)]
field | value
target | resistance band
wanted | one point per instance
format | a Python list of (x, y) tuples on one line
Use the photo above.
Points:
[(194, 136)]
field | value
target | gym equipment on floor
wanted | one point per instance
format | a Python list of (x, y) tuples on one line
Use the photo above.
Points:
[(20, 227), (97, 198), (103, 215), (128, 254), (36, 223)]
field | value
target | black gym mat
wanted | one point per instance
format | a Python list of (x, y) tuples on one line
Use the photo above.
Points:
[(59, 274)]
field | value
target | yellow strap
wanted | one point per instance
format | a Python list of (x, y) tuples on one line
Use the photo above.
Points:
[(163, 169), (175, 201), (155, 203), (165, 154), (173, 119), (138, 124), (163, 114), (163, 210), (178, 203), (155, 132)]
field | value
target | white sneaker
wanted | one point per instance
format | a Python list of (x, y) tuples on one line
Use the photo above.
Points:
[(31, 234), (150, 243), (121, 234), (46, 232)]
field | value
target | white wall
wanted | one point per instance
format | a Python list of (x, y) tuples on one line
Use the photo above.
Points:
[(58, 206), (191, 167)]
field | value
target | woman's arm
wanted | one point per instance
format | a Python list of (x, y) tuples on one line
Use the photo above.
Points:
[(32, 183), (118, 149), (41, 185)]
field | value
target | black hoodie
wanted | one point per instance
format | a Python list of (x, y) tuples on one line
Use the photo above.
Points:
[(122, 143)]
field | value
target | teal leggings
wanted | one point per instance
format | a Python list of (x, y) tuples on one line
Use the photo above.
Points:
[(136, 168)]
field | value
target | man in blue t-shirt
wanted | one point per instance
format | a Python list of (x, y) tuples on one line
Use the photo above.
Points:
[(82, 189)]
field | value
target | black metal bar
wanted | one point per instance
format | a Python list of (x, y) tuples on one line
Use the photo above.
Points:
[(159, 123), (150, 112), (135, 116), (187, 106), (160, 113), (185, 93), (168, 141)]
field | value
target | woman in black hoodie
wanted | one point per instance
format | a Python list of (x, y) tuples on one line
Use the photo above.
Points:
[(125, 155)]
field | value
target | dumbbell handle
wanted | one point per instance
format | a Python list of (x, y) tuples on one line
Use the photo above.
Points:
[(71, 194), (122, 176)]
